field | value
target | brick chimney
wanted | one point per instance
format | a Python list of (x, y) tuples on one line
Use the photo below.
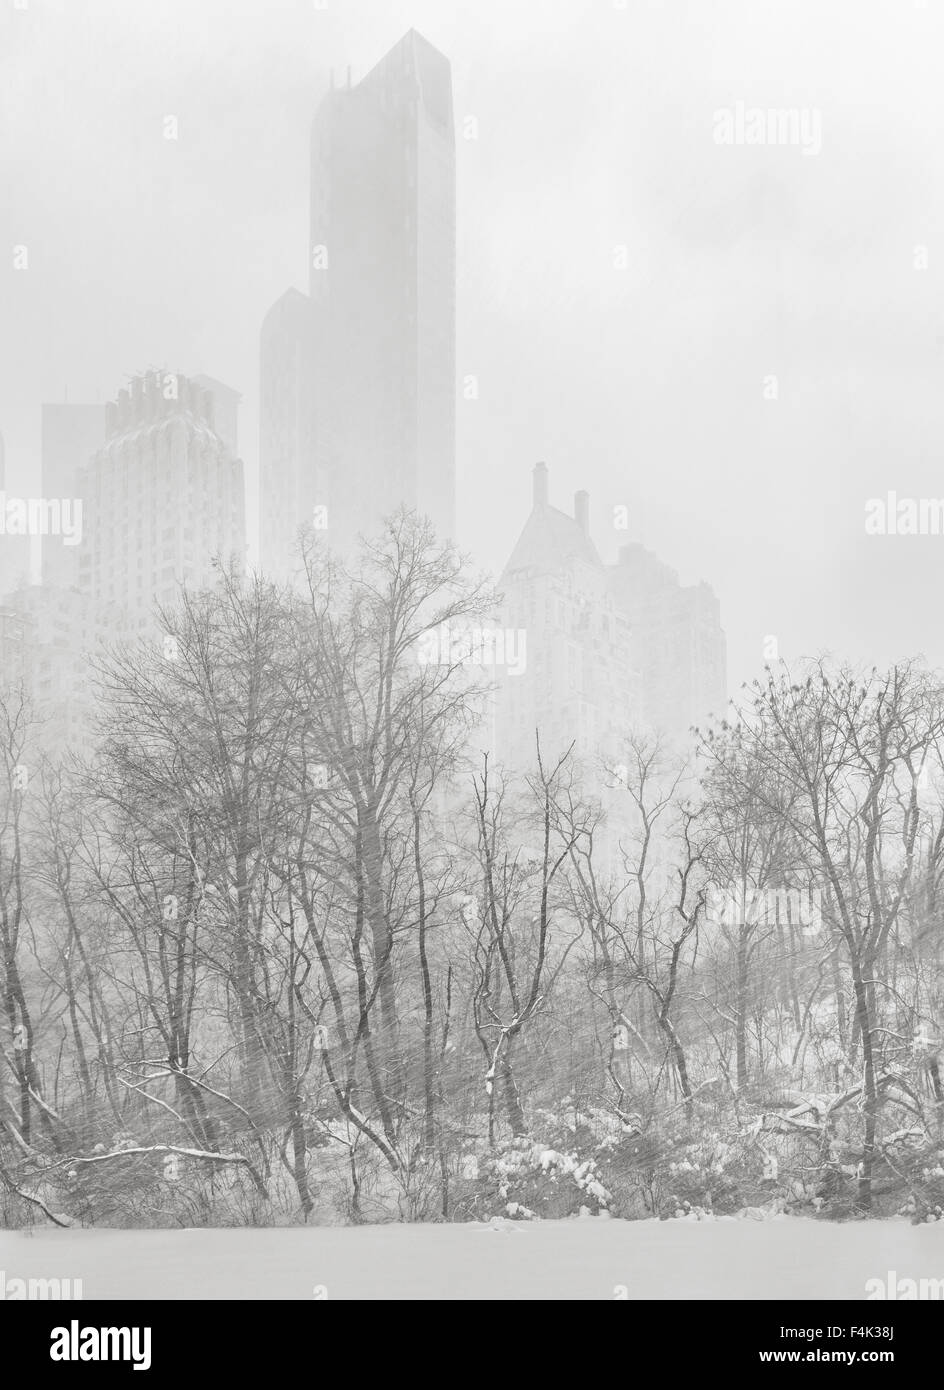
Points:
[(539, 485), (582, 511)]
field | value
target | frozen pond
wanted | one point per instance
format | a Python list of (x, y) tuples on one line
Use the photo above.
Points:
[(578, 1259)]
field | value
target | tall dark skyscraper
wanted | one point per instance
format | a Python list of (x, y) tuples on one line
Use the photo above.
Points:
[(378, 348)]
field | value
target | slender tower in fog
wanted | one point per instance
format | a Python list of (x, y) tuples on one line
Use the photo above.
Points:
[(358, 384)]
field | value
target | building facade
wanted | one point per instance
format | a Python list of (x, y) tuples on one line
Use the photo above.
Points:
[(578, 687), (612, 649), (15, 650), (679, 644), (164, 500)]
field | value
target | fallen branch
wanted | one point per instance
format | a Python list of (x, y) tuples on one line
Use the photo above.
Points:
[(28, 1197)]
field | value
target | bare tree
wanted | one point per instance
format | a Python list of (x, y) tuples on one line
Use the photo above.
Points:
[(847, 748)]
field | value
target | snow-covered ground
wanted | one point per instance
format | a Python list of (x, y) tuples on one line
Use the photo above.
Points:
[(785, 1258)]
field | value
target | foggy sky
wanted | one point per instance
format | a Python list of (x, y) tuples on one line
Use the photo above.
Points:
[(595, 131)]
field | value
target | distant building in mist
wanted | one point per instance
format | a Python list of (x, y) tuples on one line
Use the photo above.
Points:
[(611, 649), (291, 471), (680, 647), (578, 686), (15, 648), (222, 405), (62, 629), (71, 434), (163, 496), (14, 550), (358, 381)]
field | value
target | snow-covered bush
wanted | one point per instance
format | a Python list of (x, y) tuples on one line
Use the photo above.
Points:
[(527, 1178)]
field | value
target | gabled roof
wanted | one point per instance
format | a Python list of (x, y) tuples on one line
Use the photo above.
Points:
[(549, 541)]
